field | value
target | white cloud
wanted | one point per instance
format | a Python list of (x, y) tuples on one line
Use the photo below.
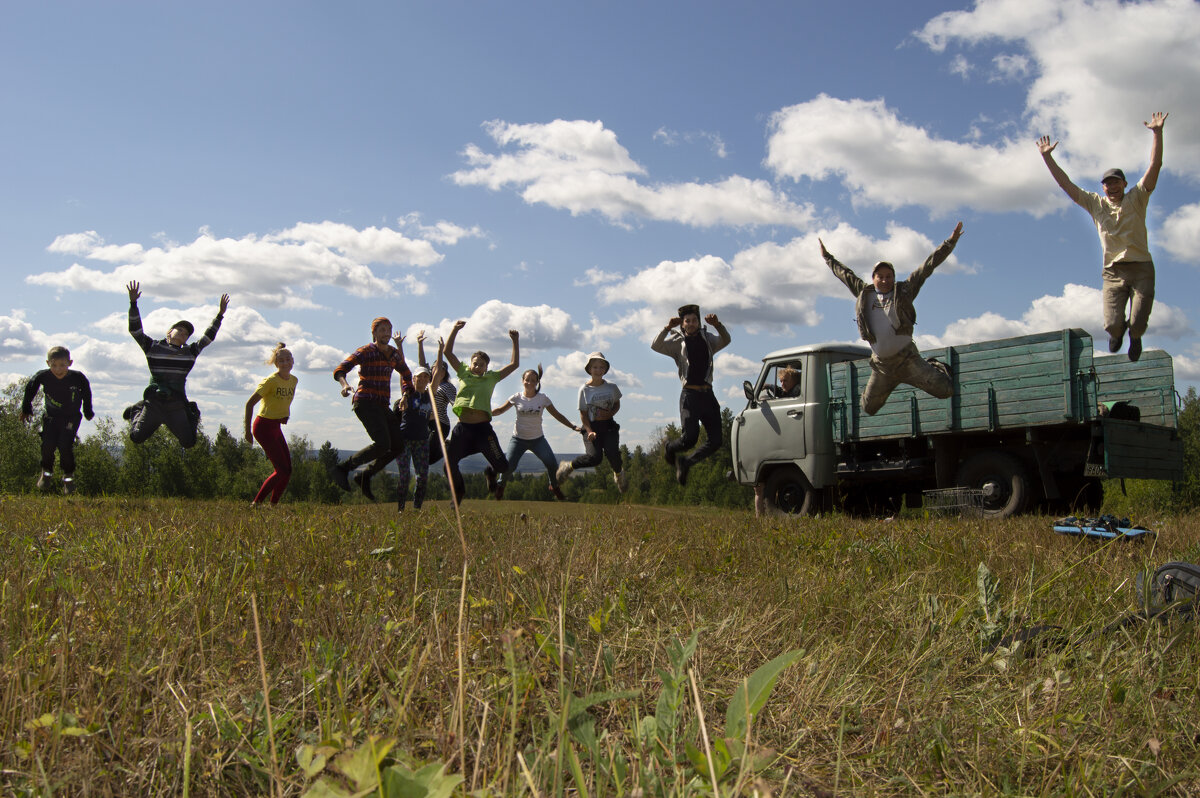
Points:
[(540, 327), (1076, 306), (441, 232), (1077, 94), (732, 365), (1009, 67), (276, 270), (579, 166), (776, 285), (885, 160), (1180, 233), (18, 338), (1080, 93)]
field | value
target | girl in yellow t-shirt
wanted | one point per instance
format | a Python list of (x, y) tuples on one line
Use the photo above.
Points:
[(276, 393)]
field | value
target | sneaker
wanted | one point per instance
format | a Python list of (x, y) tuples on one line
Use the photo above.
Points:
[(499, 491), (557, 491), (489, 474), (363, 480), (400, 506), (44, 480), (1135, 348), (340, 476), (564, 470), (681, 470), (940, 366), (622, 481), (669, 454), (1114, 344), (68, 485)]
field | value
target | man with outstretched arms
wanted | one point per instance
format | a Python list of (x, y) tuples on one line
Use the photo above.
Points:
[(886, 316), (1120, 218)]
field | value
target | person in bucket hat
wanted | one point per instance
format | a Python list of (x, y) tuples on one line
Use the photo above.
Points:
[(599, 402)]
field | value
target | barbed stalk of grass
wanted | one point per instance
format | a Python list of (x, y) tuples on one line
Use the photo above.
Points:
[(277, 780), (712, 771), (460, 693)]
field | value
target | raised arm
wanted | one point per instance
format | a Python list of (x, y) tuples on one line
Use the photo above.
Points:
[(723, 336), (659, 344), (1150, 179), (516, 355), (1046, 148), (135, 316), (848, 278), (935, 259), (449, 350), (421, 349)]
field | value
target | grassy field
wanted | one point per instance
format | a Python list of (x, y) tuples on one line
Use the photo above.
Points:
[(579, 650)]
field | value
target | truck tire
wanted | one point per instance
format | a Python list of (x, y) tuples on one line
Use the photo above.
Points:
[(1002, 478), (787, 491)]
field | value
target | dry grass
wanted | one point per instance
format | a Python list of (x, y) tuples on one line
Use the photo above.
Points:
[(129, 661)]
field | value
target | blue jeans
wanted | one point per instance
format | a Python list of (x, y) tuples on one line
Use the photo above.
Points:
[(541, 449)]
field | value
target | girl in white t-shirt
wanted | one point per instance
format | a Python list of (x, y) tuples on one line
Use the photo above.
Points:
[(527, 431)]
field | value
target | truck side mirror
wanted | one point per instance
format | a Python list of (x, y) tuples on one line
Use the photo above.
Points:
[(748, 389)]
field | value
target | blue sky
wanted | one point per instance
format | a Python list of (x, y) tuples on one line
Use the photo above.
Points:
[(573, 170)]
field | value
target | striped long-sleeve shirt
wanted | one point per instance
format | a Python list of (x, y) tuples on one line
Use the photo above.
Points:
[(169, 364), (375, 367)]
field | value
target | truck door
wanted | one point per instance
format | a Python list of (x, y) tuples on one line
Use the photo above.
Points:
[(772, 428)]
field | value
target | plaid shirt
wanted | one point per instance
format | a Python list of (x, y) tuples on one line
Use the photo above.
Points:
[(374, 373)]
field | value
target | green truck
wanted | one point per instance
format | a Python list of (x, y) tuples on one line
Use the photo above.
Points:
[(1035, 421)]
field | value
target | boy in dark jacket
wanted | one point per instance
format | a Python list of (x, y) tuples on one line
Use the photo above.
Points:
[(68, 398)]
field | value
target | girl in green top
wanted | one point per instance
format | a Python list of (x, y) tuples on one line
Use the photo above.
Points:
[(473, 432)]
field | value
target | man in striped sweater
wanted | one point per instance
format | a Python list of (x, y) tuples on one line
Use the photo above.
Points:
[(170, 360), (372, 399)]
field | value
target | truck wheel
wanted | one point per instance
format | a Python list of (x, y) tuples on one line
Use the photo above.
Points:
[(787, 491), (1001, 477)]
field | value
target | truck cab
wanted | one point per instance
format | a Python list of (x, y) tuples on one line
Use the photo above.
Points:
[(782, 440)]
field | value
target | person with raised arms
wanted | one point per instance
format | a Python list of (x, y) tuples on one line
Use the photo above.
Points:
[(170, 360), (473, 432), (1120, 219), (886, 316)]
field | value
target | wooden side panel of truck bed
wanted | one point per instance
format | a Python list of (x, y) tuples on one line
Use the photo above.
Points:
[(1027, 381)]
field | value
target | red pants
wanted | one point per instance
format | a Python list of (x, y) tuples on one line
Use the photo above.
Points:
[(269, 434)]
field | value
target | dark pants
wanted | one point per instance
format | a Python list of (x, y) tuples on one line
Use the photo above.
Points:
[(435, 445), (58, 435), (696, 408), (606, 445), (467, 439), (382, 428), (153, 413)]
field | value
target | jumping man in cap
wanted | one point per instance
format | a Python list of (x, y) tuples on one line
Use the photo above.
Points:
[(886, 316), (1120, 219)]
